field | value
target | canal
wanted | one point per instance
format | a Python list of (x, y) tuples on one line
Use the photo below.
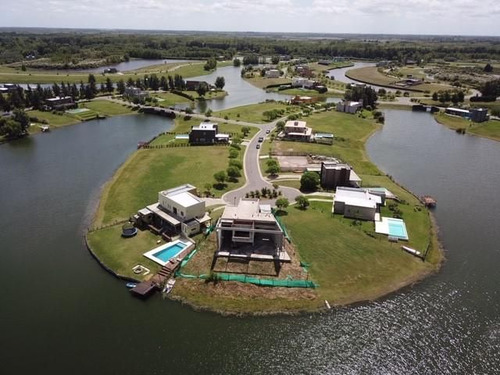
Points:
[(62, 313)]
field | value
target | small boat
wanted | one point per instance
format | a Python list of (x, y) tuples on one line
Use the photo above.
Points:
[(327, 305), (131, 285), (168, 286)]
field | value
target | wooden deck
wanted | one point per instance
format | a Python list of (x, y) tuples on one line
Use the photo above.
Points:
[(158, 280)]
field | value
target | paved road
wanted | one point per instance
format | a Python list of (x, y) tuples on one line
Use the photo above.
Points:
[(252, 170)]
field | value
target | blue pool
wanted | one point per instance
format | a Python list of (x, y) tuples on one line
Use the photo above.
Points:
[(397, 229), (170, 252), (165, 252)]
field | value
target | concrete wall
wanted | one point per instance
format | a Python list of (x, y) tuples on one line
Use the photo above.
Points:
[(185, 213)]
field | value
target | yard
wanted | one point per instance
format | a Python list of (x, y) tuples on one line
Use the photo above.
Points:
[(146, 172), (255, 112), (488, 129)]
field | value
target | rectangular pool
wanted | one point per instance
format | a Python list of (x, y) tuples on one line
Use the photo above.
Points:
[(397, 228), (392, 227), (162, 254)]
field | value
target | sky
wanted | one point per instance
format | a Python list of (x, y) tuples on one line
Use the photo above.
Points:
[(452, 17)]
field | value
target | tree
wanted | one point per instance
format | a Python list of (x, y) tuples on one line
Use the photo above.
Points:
[(92, 86), (120, 87), (236, 62), (435, 96), (309, 181), (208, 112), (275, 59), (273, 167), (235, 163), (302, 201), (365, 93), (488, 68), (220, 82), (245, 130), (109, 85), (220, 177), (211, 64), (282, 203), (280, 126), (233, 173), (202, 89)]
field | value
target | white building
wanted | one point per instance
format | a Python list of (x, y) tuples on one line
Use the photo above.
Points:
[(303, 82), (178, 210), (356, 203), (272, 73), (298, 130), (349, 107)]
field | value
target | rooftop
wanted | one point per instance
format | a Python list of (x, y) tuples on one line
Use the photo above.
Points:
[(344, 194), (205, 126), (185, 199), (247, 209), (295, 124)]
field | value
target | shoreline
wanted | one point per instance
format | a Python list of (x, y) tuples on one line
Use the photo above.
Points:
[(436, 249)]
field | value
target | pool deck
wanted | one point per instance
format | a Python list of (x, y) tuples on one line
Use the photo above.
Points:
[(158, 280)]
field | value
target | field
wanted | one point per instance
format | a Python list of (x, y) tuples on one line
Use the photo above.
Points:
[(263, 82), (147, 172), (254, 112), (106, 108), (373, 76), (488, 129)]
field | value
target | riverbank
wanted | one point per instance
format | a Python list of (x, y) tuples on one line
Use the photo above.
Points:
[(488, 129), (349, 261)]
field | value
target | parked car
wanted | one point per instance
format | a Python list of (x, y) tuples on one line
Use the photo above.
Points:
[(268, 131), (261, 139), (258, 146)]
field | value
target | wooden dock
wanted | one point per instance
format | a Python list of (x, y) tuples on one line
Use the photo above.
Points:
[(158, 281)]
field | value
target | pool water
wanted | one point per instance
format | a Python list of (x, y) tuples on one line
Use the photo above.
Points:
[(170, 252), (397, 229)]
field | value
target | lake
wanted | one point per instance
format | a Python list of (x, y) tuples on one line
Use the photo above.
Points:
[(62, 313)]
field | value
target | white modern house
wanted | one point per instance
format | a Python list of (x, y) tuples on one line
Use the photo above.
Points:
[(177, 211), (356, 203), (303, 82)]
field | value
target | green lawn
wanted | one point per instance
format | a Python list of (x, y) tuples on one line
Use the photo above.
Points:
[(54, 120), (254, 112), (488, 129), (183, 126), (350, 133), (121, 254), (263, 82), (146, 172), (106, 107), (348, 264)]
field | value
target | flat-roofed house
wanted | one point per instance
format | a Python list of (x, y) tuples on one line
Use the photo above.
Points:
[(298, 130), (335, 174), (349, 106), (177, 211), (207, 133), (60, 102), (249, 230), (272, 73), (356, 203)]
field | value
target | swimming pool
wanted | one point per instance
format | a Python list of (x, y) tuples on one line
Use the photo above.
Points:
[(392, 227), (165, 252)]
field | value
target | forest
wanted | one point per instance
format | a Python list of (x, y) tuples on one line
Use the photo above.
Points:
[(88, 49)]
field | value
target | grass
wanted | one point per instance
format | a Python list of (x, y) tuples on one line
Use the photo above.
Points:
[(254, 112), (183, 126), (488, 129), (121, 254), (350, 133), (263, 82), (372, 76), (348, 264), (53, 120), (146, 172), (106, 108), (186, 70)]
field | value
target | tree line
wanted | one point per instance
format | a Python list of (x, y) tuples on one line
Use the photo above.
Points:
[(74, 49)]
